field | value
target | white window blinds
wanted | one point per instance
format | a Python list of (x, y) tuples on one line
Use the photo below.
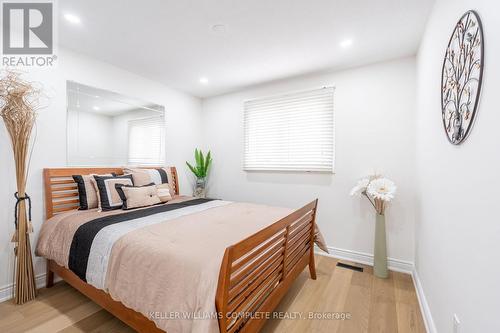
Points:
[(290, 132), (146, 141)]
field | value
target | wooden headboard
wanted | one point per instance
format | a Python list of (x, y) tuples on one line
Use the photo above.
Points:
[(61, 193)]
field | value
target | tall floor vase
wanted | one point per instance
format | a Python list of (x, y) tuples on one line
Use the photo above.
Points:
[(25, 289), (18, 101), (380, 250)]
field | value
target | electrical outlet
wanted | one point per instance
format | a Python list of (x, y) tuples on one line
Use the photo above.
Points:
[(456, 324)]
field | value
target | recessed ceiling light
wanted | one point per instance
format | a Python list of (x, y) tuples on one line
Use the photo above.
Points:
[(72, 18), (346, 43), (203, 80), (219, 28), (96, 108)]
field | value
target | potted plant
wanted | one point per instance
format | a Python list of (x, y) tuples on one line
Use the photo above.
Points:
[(379, 191), (200, 170)]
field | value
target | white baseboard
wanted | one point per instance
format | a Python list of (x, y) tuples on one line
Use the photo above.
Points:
[(424, 306), (395, 265), (6, 292), (367, 259)]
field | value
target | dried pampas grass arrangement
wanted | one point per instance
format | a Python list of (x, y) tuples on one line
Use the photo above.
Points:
[(19, 101)]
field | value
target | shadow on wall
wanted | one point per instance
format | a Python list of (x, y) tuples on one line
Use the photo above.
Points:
[(295, 178)]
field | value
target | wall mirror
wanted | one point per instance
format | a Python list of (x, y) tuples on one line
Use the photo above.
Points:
[(105, 128)]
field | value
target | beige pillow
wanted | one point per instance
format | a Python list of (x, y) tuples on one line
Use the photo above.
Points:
[(138, 196), (164, 192), (145, 176)]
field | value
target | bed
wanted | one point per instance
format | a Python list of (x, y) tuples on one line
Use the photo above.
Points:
[(237, 263)]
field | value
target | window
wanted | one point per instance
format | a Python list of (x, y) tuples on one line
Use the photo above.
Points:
[(146, 141), (291, 132)]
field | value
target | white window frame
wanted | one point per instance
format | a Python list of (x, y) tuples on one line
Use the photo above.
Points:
[(287, 169)]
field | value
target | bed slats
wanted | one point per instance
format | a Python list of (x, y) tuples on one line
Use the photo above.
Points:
[(256, 272)]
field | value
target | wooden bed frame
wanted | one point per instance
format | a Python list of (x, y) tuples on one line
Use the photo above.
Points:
[(255, 273)]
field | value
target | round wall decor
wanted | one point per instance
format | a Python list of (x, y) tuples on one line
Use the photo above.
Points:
[(462, 75)]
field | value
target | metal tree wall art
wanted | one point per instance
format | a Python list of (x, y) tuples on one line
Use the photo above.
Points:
[(461, 78)]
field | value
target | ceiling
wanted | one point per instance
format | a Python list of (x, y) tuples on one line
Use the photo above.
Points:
[(173, 41), (85, 98)]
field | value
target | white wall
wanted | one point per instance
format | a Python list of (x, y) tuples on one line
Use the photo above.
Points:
[(458, 229), (374, 114), (183, 128)]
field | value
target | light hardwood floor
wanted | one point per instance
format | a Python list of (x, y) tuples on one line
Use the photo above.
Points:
[(374, 305)]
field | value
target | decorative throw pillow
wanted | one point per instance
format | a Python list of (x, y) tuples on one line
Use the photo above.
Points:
[(153, 175), (164, 192), (86, 191), (108, 196), (138, 196)]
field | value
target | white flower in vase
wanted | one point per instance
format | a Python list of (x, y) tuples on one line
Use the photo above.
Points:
[(360, 187), (381, 188), (379, 191)]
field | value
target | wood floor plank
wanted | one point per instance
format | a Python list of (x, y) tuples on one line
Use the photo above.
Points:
[(407, 307), (358, 303), (53, 306), (383, 315), (74, 315), (375, 305), (100, 321), (333, 301)]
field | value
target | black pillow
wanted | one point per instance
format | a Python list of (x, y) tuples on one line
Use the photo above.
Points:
[(87, 193)]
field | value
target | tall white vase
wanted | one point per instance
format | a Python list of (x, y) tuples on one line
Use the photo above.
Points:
[(380, 250)]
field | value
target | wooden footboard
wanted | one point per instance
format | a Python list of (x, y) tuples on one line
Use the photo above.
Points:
[(256, 272)]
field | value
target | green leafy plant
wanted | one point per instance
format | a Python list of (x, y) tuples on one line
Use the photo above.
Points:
[(202, 164)]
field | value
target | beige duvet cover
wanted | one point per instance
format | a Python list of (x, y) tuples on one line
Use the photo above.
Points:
[(165, 266)]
